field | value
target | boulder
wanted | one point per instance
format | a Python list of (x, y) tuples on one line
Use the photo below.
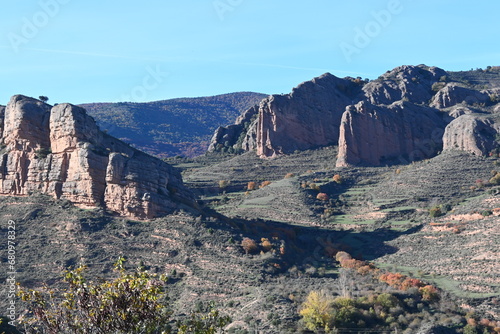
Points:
[(453, 94), (60, 151), (471, 133)]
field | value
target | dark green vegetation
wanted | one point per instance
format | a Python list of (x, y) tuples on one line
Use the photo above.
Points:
[(172, 127)]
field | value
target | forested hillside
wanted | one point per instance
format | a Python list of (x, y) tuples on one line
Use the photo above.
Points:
[(173, 127)]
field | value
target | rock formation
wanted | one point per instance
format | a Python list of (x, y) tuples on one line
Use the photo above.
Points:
[(373, 134), (471, 133), (409, 83), (452, 94), (402, 115), (235, 136), (60, 151)]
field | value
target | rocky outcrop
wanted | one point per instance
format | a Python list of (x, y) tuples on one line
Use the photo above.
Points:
[(60, 151), (309, 116), (409, 83), (453, 94), (471, 133), (459, 110), (236, 136), (375, 134)]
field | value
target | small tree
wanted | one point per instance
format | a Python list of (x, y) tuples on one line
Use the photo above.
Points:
[(44, 99), (223, 184), (317, 311), (249, 245), (131, 303), (322, 197), (338, 179)]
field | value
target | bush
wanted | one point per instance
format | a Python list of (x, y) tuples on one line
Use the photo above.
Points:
[(322, 197), (266, 244), (43, 152), (342, 256), (435, 212), (495, 180), (338, 179), (487, 213), (223, 184), (251, 185), (264, 184), (249, 245), (429, 293), (314, 186)]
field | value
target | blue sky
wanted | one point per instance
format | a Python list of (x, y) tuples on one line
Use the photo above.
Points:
[(109, 50)]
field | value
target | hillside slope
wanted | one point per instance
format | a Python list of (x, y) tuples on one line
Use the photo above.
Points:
[(171, 127)]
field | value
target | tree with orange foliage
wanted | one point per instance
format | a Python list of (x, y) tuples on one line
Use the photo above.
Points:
[(249, 245)]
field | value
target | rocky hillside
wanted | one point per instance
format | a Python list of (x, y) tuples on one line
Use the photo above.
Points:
[(407, 114), (171, 127), (61, 151)]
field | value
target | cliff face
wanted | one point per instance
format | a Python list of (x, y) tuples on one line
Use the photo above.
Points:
[(61, 151), (401, 131), (309, 116)]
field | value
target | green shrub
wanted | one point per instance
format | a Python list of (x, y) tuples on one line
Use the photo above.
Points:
[(487, 213), (435, 212), (43, 152)]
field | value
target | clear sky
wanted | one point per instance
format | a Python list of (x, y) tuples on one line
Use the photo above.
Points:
[(120, 50)]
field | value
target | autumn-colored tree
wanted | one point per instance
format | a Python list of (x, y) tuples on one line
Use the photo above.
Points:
[(342, 255), (249, 245), (429, 293), (266, 244), (317, 311), (352, 263), (322, 197), (338, 179), (251, 185)]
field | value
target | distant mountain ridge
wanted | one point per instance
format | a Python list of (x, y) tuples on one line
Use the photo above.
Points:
[(181, 126)]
